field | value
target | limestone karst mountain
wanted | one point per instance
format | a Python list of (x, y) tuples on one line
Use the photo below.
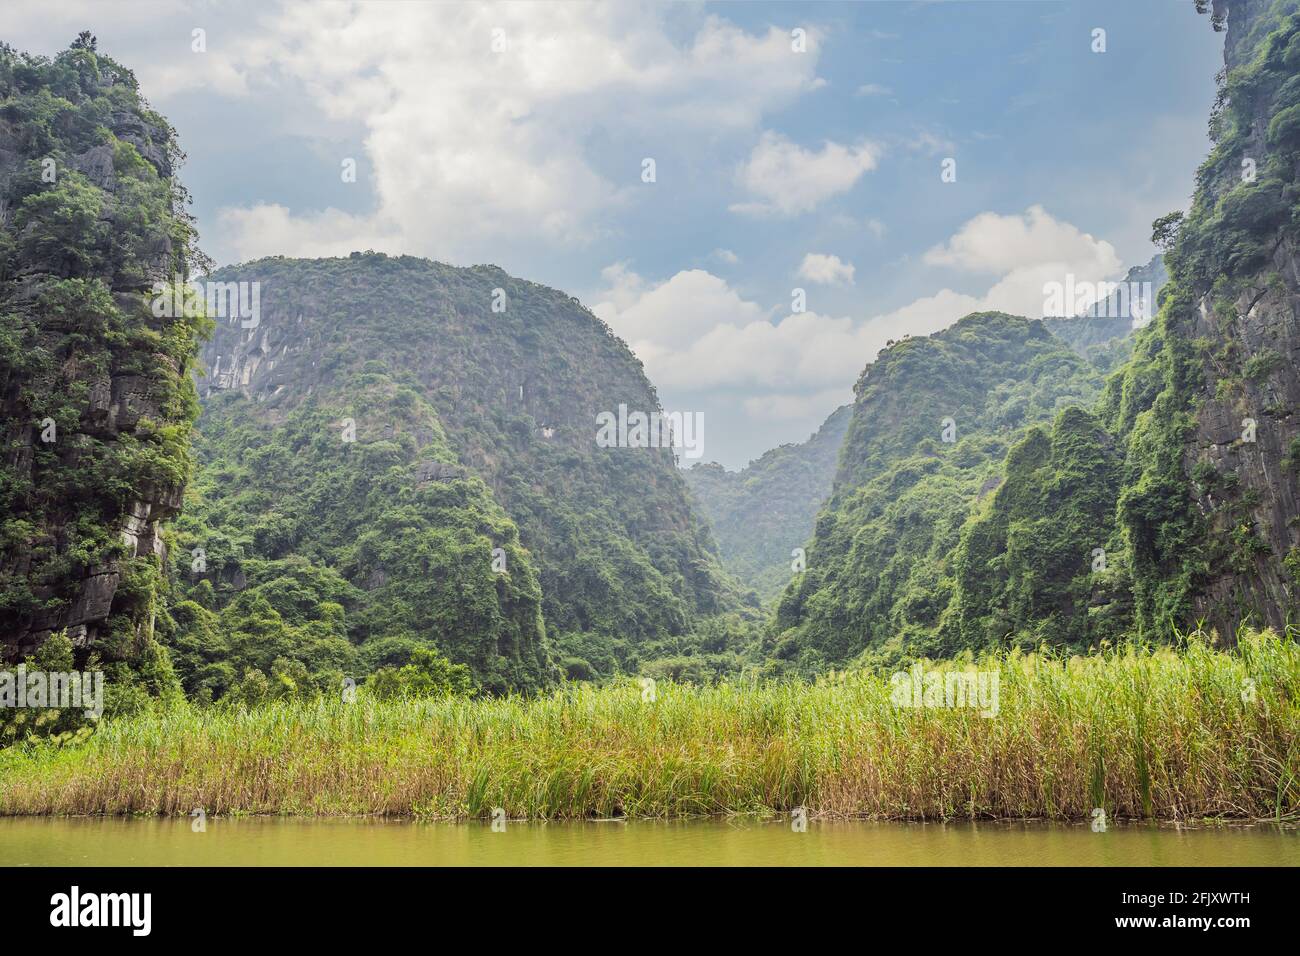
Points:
[(1171, 501), (95, 393), (933, 421), (397, 455), (507, 397)]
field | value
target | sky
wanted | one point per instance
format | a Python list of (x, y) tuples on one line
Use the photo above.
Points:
[(757, 197)]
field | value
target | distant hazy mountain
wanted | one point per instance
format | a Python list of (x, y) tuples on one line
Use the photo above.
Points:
[(1117, 315), (761, 513)]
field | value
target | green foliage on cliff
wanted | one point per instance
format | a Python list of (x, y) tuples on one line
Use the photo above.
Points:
[(1033, 563), (346, 556), (95, 399), (626, 568), (884, 565), (1100, 527), (1247, 195), (1246, 205)]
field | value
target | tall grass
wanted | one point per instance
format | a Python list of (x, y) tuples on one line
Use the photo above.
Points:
[(1170, 735)]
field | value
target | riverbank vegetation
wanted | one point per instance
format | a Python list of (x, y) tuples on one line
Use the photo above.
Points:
[(1139, 733)]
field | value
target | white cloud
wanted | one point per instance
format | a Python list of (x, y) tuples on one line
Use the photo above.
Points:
[(923, 316), (272, 229), (994, 243), (873, 89), (727, 256), (800, 351), (664, 319), (826, 269), (931, 143), (695, 332), (789, 180), (470, 148), (1027, 252)]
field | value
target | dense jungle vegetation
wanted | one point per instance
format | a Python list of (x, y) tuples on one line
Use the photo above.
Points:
[(96, 396), (1085, 515), (388, 483)]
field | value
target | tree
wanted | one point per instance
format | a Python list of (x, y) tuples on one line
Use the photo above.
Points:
[(1165, 230)]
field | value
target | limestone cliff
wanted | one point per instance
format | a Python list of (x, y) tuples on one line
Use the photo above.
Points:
[(1170, 502), (1241, 257), (95, 394), (517, 374)]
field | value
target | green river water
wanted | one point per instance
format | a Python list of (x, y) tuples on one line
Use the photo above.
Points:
[(746, 842)]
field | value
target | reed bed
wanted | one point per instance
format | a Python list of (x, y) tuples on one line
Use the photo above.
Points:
[(1158, 734)]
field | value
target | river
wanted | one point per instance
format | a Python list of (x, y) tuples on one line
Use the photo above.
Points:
[(94, 841)]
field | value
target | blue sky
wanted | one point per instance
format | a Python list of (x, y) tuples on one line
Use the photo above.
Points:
[(775, 168)]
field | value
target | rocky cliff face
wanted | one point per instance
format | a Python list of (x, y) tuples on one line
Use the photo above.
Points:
[(923, 456), (339, 533), (1243, 447), (95, 396)]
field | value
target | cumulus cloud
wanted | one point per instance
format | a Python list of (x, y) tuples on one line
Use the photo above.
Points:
[(695, 332), (472, 145), (1027, 252), (996, 243), (826, 269), (662, 321), (272, 229), (788, 180)]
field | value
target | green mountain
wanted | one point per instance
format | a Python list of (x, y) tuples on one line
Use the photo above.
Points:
[(298, 545), (96, 398), (1210, 407), (763, 512), (474, 398), (1170, 500), (399, 462), (933, 421)]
